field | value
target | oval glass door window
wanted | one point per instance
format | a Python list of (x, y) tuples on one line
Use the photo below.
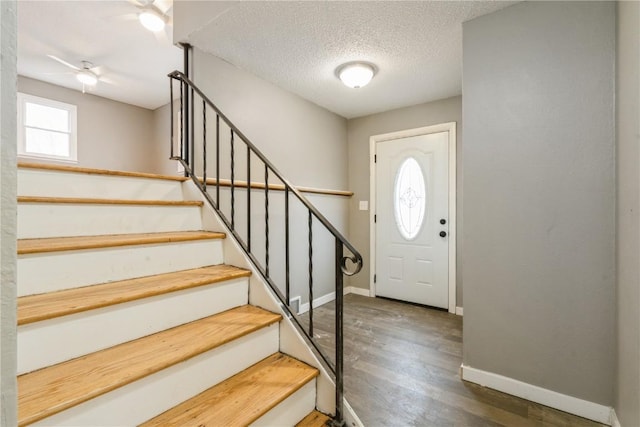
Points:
[(409, 198)]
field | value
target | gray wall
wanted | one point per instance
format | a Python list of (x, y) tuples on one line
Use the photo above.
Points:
[(539, 196), (307, 143), (359, 131), (8, 384), (627, 391), (161, 136), (111, 134)]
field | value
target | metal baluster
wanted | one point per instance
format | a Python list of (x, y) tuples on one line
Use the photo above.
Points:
[(233, 198), (204, 144), (192, 151), (286, 244), (248, 199), (171, 116), (266, 216), (310, 274), (339, 333), (185, 108), (182, 153), (218, 161)]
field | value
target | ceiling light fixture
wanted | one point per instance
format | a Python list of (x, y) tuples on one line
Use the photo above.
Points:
[(87, 77), (356, 74), (152, 20)]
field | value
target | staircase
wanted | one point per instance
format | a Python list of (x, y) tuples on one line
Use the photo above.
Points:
[(128, 314)]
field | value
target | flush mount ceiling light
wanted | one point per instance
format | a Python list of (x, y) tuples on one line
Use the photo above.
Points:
[(356, 74), (152, 20)]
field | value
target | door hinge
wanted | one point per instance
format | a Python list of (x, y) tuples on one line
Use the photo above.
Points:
[(375, 278), (375, 218), (375, 158)]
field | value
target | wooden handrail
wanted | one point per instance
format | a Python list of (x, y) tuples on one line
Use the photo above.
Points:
[(277, 187)]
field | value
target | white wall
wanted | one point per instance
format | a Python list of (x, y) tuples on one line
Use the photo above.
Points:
[(111, 134), (8, 386), (359, 131), (539, 196), (627, 391)]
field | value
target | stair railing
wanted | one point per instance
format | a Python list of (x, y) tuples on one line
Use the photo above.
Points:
[(191, 96)]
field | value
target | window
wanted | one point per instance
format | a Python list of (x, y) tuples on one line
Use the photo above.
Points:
[(46, 128), (409, 198)]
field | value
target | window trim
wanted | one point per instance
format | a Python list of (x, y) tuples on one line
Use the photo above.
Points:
[(23, 98)]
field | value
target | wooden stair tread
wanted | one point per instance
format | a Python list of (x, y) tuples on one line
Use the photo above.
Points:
[(53, 389), (92, 171), (34, 308), (87, 201), (314, 419), (243, 398), (54, 244)]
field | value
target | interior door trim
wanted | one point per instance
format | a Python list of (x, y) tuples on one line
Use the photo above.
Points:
[(449, 127)]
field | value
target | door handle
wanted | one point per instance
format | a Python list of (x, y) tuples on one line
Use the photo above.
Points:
[(443, 234)]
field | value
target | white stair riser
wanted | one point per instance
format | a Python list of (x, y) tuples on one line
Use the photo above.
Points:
[(292, 343), (52, 271), (53, 341), (293, 409), (35, 182), (148, 397), (38, 220)]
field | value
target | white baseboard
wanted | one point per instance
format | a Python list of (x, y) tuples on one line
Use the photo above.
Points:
[(459, 311), (357, 291), (317, 302), (563, 402), (350, 416), (614, 419)]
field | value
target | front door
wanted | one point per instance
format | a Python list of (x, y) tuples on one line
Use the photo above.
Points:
[(412, 208)]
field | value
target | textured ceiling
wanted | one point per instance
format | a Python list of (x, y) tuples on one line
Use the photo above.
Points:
[(133, 61), (417, 46)]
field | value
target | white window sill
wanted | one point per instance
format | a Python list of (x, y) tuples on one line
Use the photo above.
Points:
[(47, 159)]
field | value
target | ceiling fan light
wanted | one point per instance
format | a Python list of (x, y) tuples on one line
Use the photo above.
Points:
[(355, 75), (86, 77), (152, 21)]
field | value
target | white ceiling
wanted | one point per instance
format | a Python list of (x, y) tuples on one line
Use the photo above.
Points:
[(417, 47), (106, 33)]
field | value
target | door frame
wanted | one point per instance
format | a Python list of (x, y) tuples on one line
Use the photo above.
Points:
[(449, 127)]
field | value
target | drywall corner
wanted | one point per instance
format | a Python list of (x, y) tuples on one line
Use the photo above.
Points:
[(627, 384), (8, 214)]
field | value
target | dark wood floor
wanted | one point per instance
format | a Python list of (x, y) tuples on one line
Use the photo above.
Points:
[(402, 369)]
